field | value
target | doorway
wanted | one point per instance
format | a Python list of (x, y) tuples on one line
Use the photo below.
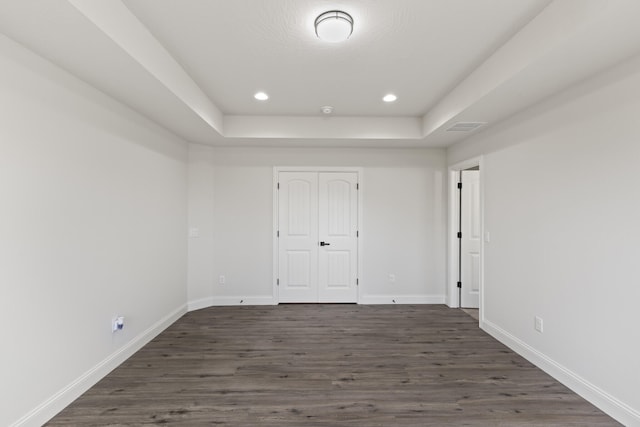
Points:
[(317, 236), (467, 236)]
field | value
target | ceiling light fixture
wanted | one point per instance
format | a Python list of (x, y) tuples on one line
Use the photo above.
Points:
[(389, 98), (334, 26), (261, 96)]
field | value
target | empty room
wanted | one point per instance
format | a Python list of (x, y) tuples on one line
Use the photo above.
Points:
[(317, 212)]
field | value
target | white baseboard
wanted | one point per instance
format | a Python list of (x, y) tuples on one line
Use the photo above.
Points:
[(200, 303), (452, 301), (221, 301), (402, 299), (620, 411), (267, 300), (56, 403)]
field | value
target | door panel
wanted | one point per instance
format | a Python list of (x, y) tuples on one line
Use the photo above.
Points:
[(337, 194), (338, 269), (299, 268), (471, 235), (298, 241), (299, 193), (338, 226)]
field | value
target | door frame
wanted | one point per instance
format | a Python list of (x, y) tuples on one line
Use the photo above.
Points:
[(276, 212), (453, 299)]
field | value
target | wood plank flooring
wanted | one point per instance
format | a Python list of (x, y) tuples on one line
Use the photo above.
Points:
[(329, 365), (473, 312)]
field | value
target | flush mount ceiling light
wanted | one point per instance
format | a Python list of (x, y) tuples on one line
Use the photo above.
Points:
[(389, 97), (261, 96), (334, 26)]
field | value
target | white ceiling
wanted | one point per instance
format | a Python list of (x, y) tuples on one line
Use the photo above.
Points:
[(193, 65), (415, 48)]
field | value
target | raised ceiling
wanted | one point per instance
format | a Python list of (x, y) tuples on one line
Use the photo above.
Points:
[(416, 49), (193, 66)]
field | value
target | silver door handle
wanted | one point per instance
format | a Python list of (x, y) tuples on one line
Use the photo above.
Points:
[(324, 244)]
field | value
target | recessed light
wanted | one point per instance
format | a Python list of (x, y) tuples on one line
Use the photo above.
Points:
[(389, 98), (261, 96)]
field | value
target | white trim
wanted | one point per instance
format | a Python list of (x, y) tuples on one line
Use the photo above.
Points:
[(402, 299), (622, 412), (452, 258), (56, 403), (360, 283), (274, 253), (230, 300), (276, 171), (200, 303)]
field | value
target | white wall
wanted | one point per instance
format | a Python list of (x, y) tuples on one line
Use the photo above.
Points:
[(562, 204), (231, 205), (93, 209)]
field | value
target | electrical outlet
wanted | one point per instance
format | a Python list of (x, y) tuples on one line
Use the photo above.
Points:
[(538, 324), (117, 324), (392, 278), (222, 280)]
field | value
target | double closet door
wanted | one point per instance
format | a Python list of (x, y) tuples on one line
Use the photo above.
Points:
[(318, 236)]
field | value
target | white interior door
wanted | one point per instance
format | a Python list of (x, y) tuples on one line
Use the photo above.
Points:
[(471, 235), (298, 236), (318, 236), (338, 228)]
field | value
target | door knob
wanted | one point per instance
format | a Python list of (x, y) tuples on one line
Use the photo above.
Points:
[(324, 244)]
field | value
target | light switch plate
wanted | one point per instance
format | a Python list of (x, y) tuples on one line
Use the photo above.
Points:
[(538, 324)]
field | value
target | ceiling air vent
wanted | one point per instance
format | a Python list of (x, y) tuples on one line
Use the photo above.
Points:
[(465, 126)]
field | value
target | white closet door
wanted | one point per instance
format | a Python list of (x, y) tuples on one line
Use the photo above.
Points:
[(318, 237), (298, 241), (337, 228), (471, 235)]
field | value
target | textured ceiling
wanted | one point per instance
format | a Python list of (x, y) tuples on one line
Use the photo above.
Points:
[(193, 65), (416, 49)]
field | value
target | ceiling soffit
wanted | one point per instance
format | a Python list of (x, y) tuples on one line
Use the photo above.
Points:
[(506, 74)]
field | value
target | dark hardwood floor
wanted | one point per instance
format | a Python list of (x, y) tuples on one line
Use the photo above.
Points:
[(473, 312), (329, 365)]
